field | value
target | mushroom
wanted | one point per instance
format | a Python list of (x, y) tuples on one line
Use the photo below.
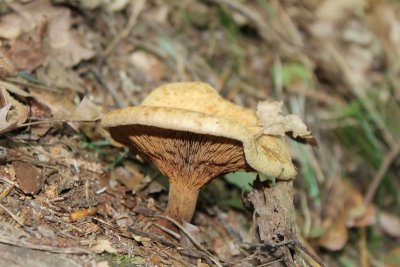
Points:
[(193, 135)]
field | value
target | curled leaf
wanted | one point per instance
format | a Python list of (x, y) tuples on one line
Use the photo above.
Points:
[(4, 124), (275, 123), (86, 111), (12, 112)]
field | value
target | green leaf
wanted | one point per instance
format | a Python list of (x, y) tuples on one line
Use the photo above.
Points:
[(242, 180)]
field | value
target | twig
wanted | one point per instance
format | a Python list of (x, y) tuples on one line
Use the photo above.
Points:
[(153, 237), (387, 161), (36, 86), (137, 7), (177, 236), (54, 121), (194, 241), (265, 31), (228, 228), (269, 263), (292, 243), (24, 244), (119, 101), (303, 248), (12, 215)]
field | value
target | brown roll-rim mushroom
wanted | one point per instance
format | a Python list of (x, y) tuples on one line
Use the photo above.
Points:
[(193, 135)]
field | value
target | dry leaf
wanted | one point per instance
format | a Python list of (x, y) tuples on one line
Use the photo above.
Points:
[(86, 111), (194, 231), (12, 112), (7, 68), (63, 43), (5, 126), (390, 224), (65, 48), (150, 66), (103, 245), (336, 236), (12, 88), (10, 26), (342, 201), (202, 264), (28, 177), (27, 51), (274, 123)]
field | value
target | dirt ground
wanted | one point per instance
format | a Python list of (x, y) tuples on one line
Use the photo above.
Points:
[(70, 198)]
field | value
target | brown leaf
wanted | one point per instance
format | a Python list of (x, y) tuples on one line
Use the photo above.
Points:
[(336, 236), (103, 245), (28, 177), (64, 45), (12, 112), (86, 111), (274, 123), (149, 65), (344, 205), (5, 126), (390, 224), (27, 51), (7, 68), (65, 48)]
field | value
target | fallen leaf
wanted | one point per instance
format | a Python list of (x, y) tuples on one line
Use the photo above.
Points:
[(150, 66), (86, 111), (7, 68), (103, 245), (12, 88), (202, 264), (132, 180), (54, 74), (28, 177), (390, 224), (64, 45), (65, 48), (336, 236), (336, 10), (145, 241), (225, 249), (12, 112), (10, 26), (343, 206), (362, 216), (274, 123), (27, 51), (194, 232), (5, 126)]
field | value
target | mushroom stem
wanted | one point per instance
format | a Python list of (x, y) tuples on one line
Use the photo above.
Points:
[(181, 202)]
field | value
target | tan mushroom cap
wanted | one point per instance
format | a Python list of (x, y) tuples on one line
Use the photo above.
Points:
[(197, 108)]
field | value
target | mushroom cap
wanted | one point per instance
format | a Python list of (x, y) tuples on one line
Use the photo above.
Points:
[(197, 108)]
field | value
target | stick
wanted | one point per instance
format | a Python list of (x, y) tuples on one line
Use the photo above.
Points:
[(18, 220), (387, 161), (135, 11), (194, 241)]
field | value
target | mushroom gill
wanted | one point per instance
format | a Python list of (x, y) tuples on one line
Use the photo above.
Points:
[(188, 159)]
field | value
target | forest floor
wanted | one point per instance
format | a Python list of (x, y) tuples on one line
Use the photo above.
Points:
[(69, 198)]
